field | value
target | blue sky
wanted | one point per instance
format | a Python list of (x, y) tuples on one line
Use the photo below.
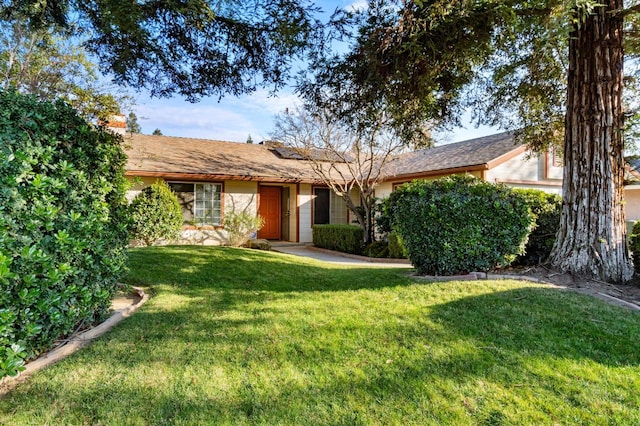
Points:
[(235, 118)]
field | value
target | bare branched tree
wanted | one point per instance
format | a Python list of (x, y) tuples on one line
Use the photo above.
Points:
[(350, 162)]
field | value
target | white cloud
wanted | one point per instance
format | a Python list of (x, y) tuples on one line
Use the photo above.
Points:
[(178, 118), (357, 6), (265, 103)]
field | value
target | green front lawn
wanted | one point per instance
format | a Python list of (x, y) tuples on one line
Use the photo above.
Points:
[(234, 336)]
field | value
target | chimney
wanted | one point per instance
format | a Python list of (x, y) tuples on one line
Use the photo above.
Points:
[(117, 123)]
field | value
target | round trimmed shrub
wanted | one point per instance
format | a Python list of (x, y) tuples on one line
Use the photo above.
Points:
[(63, 224), (156, 214), (546, 209), (460, 224)]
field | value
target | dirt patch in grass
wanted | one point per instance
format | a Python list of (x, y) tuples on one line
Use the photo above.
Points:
[(629, 292)]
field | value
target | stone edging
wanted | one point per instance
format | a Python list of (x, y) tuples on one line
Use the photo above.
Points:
[(74, 344)]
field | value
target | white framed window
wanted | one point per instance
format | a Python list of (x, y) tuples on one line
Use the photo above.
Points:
[(201, 202)]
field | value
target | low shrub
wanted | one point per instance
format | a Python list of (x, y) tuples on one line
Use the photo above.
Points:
[(397, 250), (344, 238), (240, 226), (156, 214), (634, 241), (460, 224), (377, 249), (546, 209), (63, 221)]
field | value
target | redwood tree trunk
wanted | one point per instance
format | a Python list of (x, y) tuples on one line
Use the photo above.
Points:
[(592, 236)]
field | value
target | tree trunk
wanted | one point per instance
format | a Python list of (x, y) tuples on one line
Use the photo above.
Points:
[(591, 240)]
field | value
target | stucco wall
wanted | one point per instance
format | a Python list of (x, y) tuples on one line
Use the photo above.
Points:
[(519, 168), (632, 202), (305, 199), (137, 185), (240, 196), (522, 171), (383, 190)]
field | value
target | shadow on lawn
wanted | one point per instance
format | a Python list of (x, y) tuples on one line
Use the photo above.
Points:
[(505, 337), (542, 321)]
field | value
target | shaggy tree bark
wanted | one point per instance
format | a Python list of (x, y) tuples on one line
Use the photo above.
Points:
[(592, 236)]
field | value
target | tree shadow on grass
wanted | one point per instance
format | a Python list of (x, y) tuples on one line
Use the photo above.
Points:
[(541, 321), (272, 365)]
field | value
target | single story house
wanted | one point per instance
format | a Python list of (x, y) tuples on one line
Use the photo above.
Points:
[(213, 177)]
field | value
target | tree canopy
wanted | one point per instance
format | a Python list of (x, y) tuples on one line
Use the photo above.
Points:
[(426, 62), (194, 48), (50, 65), (132, 123), (549, 70)]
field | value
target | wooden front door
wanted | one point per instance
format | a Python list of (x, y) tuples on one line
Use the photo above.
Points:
[(270, 209)]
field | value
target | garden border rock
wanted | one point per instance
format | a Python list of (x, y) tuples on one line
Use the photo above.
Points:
[(73, 343)]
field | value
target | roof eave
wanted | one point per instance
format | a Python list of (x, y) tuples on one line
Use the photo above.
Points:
[(449, 171), (216, 177)]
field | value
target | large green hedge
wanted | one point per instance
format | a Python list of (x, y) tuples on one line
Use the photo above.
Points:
[(344, 238), (460, 224), (546, 209), (63, 224)]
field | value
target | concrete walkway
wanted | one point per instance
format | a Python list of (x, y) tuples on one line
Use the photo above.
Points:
[(332, 256)]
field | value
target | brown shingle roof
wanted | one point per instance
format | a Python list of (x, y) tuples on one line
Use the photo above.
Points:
[(473, 154), (189, 158), (173, 156)]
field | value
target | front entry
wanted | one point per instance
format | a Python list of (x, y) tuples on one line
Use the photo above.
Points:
[(270, 209)]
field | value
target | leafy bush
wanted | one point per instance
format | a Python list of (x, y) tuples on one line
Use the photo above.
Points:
[(344, 238), (156, 214), (635, 245), (397, 250), (383, 217), (377, 249), (460, 224), (63, 224), (546, 209), (240, 226)]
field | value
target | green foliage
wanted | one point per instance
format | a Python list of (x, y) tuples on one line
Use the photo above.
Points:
[(635, 246), (132, 124), (240, 226), (344, 238), (63, 224), (156, 214), (157, 132), (52, 65), (397, 249), (460, 224), (546, 209), (238, 337), (194, 48), (378, 249)]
